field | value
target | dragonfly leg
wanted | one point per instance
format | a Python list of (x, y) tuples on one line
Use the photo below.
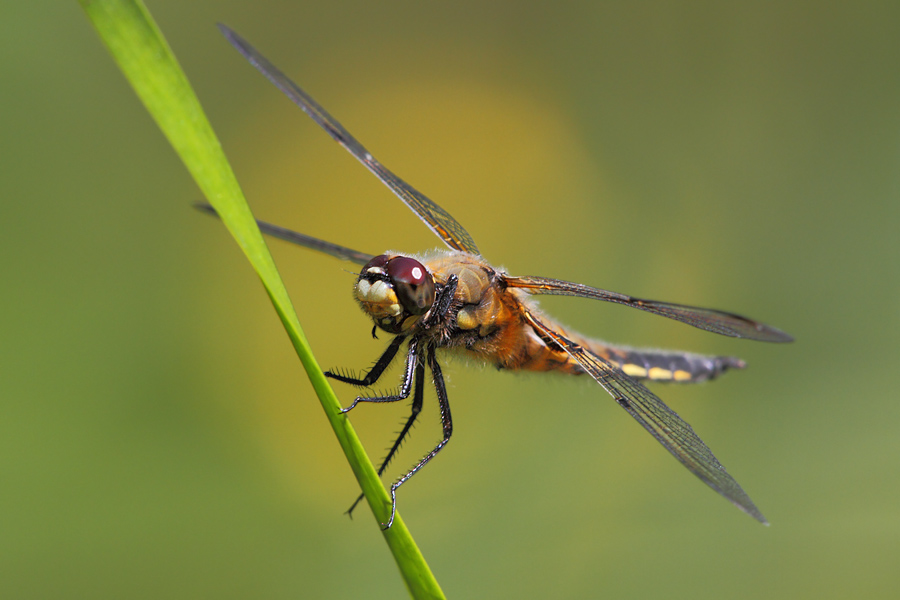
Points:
[(446, 422), (405, 387), (416, 409), (441, 303), (377, 369)]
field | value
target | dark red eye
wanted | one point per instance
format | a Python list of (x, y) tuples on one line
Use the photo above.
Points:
[(377, 262), (407, 270), (412, 283)]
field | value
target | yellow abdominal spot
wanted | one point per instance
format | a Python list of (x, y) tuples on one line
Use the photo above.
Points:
[(659, 373), (682, 375), (634, 370)]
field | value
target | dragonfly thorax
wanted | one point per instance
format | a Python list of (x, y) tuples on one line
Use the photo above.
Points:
[(395, 291)]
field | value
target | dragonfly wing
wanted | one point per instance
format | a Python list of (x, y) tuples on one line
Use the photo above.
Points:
[(663, 423), (438, 220), (301, 239), (717, 321)]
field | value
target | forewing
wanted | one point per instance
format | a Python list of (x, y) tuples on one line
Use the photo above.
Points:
[(708, 319), (301, 239), (438, 219), (663, 423)]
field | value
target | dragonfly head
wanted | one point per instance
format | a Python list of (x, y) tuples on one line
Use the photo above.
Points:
[(395, 291)]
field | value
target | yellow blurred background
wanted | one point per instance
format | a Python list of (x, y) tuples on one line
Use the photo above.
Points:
[(161, 441)]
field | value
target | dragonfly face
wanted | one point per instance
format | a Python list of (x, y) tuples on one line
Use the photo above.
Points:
[(395, 291), (456, 300)]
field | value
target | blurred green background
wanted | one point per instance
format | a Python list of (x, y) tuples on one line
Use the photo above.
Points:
[(159, 438)]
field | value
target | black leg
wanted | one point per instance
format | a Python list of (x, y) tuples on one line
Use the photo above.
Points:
[(416, 409), (446, 421), (412, 359), (441, 302), (377, 369)]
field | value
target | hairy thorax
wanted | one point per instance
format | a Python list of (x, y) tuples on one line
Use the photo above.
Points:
[(487, 318)]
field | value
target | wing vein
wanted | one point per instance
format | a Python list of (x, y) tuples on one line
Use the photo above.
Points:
[(664, 424)]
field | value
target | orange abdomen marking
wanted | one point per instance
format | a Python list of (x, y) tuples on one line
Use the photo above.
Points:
[(540, 354)]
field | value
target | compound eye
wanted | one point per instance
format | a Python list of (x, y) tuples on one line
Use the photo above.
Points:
[(412, 283), (377, 262), (403, 269)]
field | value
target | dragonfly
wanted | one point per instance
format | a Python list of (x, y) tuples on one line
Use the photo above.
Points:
[(454, 300)]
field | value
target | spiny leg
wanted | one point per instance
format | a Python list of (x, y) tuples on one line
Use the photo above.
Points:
[(416, 408), (441, 303), (405, 387), (441, 306), (377, 369), (446, 422)]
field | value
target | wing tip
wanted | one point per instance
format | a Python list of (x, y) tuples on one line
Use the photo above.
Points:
[(767, 333), (750, 508), (754, 512), (207, 208)]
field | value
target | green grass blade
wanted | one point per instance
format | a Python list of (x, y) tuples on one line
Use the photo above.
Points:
[(145, 58)]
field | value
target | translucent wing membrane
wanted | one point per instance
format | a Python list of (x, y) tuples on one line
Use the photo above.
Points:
[(648, 410), (663, 423), (708, 319), (439, 220), (300, 239)]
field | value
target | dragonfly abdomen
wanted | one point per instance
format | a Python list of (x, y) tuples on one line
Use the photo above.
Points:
[(666, 365), (656, 365)]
